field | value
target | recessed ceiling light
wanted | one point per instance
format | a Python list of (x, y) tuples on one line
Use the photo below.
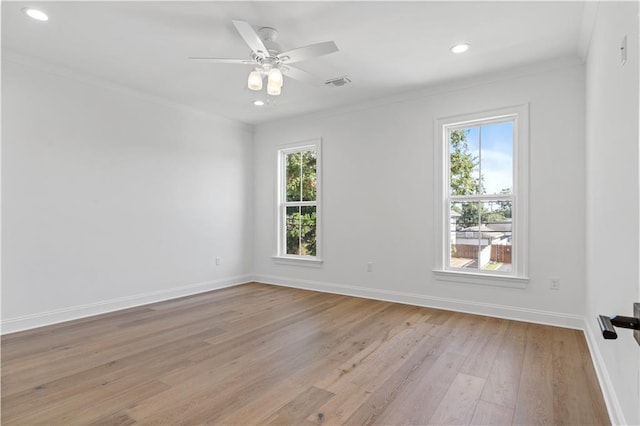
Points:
[(36, 14), (460, 48), (258, 103)]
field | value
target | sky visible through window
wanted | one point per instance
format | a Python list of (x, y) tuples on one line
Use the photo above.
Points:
[(495, 155)]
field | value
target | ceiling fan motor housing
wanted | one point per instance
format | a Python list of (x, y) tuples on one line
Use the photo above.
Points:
[(269, 36)]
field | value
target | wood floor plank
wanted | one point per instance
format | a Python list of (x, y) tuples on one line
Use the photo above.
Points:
[(414, 367), (119, 418), (488, 414), (459, 403), (91, 403), (20, 376), (386, 347), (419, 398), (464, 332), (145, 365), (503, 379), (570, 407), (18, 346), (299, 408), (119, 335), (534, 403), (261, 354), (361, 375), (487, 343), (591, 394)]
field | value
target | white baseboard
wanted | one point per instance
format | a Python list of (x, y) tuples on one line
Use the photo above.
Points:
[(616, 415), (488, 309), (12, 325)]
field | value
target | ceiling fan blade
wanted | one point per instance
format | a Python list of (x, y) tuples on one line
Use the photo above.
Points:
[(222, 60), (251, 37), (298, 74), (308, 52)]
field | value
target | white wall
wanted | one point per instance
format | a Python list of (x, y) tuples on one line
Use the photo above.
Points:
[(378, 201), (613, 191), (112, 199)]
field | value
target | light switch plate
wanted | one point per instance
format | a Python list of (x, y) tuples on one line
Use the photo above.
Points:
[(636, 314)]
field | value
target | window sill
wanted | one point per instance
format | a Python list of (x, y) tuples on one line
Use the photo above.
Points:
[(298, 261), (481, 279)]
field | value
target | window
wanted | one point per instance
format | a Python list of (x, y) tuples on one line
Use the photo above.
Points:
[(298, 202), (482, 217)]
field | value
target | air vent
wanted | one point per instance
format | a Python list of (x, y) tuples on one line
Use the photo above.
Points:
[(337, 82)]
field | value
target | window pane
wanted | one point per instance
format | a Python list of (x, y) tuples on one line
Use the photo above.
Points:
[(293, 164), (301, 230), (309, 176), (496, 158), (481, 235), (497, 234), (293, 230), (308, 231), (464, 243), (464, 156)]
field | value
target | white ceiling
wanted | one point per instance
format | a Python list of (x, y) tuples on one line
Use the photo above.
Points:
[(385, 47)]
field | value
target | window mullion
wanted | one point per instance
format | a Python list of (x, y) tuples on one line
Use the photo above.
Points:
[(300, 203), (480, 183), (299, 231), (481, 197), (282, 232), (479, 254), (301, 176)]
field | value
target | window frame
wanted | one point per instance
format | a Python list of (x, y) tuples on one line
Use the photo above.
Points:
[(518, 277), (282, 151)]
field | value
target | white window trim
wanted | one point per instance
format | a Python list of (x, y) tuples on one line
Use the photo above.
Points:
[(280, 255), (519, 277)]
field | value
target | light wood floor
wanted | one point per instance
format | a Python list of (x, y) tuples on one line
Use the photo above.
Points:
[(258, 354)]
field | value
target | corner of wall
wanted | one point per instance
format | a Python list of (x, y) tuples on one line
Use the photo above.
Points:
[(586, 29), (616, 415)]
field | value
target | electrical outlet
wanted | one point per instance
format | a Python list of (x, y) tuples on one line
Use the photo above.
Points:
[(369, 266), (218, 261), (555, 284)]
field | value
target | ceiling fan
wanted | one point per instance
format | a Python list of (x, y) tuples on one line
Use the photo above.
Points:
[(269, 61)]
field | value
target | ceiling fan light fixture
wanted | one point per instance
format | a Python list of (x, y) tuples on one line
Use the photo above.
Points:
[(460, 48), (275, 77), (274, 89), (254, 82)]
